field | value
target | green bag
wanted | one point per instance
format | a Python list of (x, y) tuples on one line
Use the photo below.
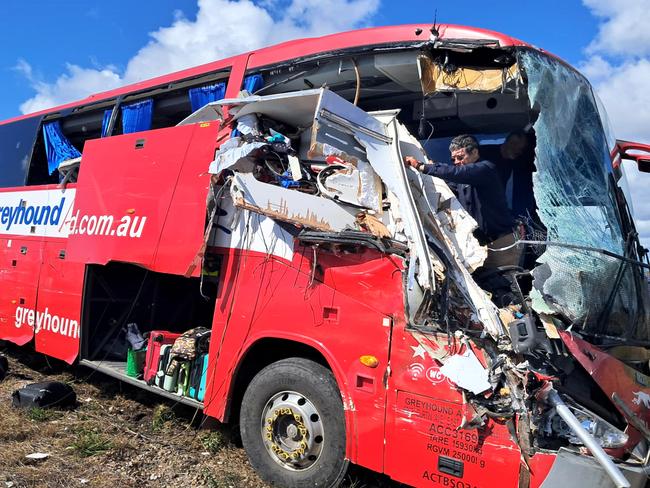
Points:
[(135, 362)]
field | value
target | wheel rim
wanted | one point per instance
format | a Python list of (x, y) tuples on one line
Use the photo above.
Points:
[(292, 430)]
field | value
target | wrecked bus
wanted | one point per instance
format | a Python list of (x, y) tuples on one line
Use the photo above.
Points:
[(351, 318)]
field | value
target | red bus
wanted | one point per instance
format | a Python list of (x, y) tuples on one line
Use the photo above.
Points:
[(264, 198)]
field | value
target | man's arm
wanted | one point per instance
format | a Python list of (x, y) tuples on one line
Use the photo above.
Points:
[(475, 174)]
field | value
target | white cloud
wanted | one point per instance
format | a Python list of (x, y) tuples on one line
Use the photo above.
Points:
[(619, 68), (624, 29), (222, 28), (74, 83)]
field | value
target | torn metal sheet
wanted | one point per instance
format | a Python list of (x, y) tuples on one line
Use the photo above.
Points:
[(290, 206), (457, 224), (386, 159), (463, 250), (436, 77), (207, 113), (358, 185), (236, 228), (434, 197), (612, 376), (336, 123), (232, 155), (467, 372), (296, 108)]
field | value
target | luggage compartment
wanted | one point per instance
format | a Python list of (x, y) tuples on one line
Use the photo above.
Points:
[(163, 306)]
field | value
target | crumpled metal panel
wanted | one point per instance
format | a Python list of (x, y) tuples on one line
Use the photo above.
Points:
[(452, 231), (573, 188), (289, 206)]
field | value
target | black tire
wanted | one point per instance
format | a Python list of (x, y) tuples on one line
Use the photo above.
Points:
[(289, 382)]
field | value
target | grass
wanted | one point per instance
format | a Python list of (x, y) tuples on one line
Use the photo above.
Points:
[(162, 415), (38, 414), (213, 441), (89, 443), (226, 479)]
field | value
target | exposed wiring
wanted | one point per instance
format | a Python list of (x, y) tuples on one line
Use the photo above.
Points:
[(272, 169), (357, 75), (578, 247)]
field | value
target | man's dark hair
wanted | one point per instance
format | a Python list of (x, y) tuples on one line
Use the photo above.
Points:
[(463, 141), (519, 134)]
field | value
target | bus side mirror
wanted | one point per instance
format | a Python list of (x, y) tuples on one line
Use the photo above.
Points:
[(642, 160)]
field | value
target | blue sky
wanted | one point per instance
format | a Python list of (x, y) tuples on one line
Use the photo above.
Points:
[(55, 52)]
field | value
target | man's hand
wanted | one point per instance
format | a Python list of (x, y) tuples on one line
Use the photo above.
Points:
[(412, 162)]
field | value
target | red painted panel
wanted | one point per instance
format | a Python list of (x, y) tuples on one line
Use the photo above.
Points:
[(182, 234), (614, 376), (123, 195), (265, 297), (425, 410), (21, 261), (540, 465), (428, 427), (361, 275), (367, 37), (58, 311)]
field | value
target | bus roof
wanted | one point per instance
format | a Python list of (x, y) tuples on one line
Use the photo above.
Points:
[(296, 49)]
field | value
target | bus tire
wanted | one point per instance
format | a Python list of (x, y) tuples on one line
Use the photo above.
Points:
[(293, 426)]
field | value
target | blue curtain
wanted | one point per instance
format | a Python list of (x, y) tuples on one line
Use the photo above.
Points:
[(106, 120), (253, 83), (203, 95), (57, 146), (136, 117)]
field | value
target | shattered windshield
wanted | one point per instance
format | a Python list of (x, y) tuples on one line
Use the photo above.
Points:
[(575, 190)]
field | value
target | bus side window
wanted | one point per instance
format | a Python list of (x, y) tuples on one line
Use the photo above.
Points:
[(16, 146), (178, 101), (38, 173)]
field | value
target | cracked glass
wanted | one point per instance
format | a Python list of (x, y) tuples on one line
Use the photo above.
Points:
[(575, 191)]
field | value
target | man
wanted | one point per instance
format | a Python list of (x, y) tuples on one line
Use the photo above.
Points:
[(481, 193), (515, 162)]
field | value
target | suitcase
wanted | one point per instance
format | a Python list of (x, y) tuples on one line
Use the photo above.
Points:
[(157, 339), (197, 377), (169, 381), (183, 379), (165, 352), (44, 395)]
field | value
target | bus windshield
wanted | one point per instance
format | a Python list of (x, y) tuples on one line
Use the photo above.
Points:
[(580, 203)]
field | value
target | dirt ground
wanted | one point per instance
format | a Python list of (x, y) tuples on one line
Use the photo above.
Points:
[(118, 436)]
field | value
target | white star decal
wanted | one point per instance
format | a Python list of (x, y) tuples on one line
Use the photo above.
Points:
[(418, 351)]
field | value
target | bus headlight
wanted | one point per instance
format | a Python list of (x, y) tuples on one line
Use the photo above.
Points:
[(605, 433)]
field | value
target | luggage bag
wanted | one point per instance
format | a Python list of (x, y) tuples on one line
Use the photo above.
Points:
[(157, 339), (44, 395), (198, 377), (183, 379), (162, 365)]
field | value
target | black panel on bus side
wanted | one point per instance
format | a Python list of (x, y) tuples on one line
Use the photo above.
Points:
[(16, 145)]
